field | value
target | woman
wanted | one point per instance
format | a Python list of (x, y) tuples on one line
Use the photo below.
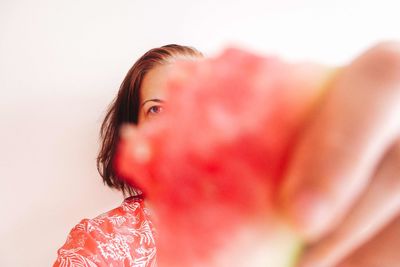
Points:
[(124, 236), (338, 204)]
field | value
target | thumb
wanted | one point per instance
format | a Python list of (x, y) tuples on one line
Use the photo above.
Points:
[(344, 142)]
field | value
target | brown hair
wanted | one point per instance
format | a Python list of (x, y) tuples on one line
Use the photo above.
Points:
[(125, 109)]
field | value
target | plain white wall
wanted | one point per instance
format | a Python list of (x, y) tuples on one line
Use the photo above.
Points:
[(61, 63)]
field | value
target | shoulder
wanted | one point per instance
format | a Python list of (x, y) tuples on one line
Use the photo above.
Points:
[(124, 235)]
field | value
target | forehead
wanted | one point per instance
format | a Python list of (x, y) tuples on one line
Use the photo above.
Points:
[(153, 84)]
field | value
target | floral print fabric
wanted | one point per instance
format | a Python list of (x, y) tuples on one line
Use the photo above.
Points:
[(121, 237)]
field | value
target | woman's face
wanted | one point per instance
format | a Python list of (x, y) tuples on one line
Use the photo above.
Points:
[(152, 93)]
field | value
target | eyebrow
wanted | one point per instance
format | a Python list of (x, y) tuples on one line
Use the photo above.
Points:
[(154, 100)]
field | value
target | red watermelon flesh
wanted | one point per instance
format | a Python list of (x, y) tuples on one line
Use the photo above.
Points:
[(211, 164)]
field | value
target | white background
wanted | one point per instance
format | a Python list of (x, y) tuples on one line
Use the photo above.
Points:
[(61, 63)]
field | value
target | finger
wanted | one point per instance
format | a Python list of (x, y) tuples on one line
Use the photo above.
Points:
[(381, 251), (344, 141), (378, 206)]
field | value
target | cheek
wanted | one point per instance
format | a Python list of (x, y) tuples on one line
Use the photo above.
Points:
[(141, 116)]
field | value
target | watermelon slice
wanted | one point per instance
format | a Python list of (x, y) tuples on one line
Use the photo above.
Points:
[(212, 163)]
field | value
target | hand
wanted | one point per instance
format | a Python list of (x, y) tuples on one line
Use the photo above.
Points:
[(380, 251), (343, 183)]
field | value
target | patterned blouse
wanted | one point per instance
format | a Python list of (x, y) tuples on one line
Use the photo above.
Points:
[(119, 238)]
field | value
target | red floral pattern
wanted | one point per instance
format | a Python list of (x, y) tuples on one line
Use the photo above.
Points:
[(121, 237)]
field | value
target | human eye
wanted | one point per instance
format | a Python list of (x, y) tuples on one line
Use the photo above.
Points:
[(153, 110)]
